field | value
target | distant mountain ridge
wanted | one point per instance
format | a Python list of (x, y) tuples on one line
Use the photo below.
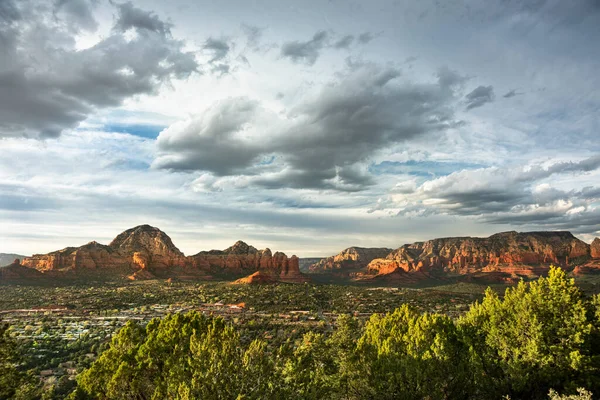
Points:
[(146, 252), (504, 256), (9, 258), (349, 260)]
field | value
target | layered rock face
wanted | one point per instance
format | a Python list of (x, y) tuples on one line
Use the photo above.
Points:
[(527, 253), (141, 248), (241, 259), (87, 257), (148, 248), (145, 252), (595, 249), (350, 260)]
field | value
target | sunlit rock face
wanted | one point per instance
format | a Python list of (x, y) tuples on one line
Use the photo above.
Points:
[(348, 261), (595, 249), (513, 253), (146, 252), (88, 257), (256, 278), (242, 259)]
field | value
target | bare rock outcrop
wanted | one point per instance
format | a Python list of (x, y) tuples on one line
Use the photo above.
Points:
[(512, 253), (256, 278), (595, 249), (88, 257), (17, 272), (348, 261), (242, 259)]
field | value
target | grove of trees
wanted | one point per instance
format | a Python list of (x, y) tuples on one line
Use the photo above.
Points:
[(540, 340)]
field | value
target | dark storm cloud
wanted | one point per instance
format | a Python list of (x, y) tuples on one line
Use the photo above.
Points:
[(322, 142), (306, 52), (479, 96), (46, 85)]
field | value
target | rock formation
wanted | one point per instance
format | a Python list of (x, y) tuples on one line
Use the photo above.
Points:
[(242, 259), (256, 278), (8, 258), (145, 252), (88, 257), (348, 261), (305, 263), (595, 249), (17, 272), (512, 253)]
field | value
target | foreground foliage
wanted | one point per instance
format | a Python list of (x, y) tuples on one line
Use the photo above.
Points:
[(538, 340)]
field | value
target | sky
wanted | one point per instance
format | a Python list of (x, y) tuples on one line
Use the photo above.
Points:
[(306, 127)]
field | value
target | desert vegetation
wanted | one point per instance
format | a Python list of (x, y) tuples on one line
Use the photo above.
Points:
[(538, 339)]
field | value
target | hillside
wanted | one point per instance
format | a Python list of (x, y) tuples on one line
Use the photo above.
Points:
[(146, 252)]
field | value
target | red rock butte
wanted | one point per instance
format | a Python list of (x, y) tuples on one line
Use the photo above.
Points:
[(146, 252), (503, 256)]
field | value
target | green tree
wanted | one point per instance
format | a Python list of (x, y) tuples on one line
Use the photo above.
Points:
[(404, 355), (180, 357), (534, 339), (14, 383)]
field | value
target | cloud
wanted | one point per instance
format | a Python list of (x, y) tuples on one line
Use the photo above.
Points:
[(308, 52), (131, 17), (323, 142), (253, 36), (365, 37), (218, 47), (496, 195), (47, 85), (78, 13), (512, 93), (479, 96), (344, 42), (214, 141), (305, 52)]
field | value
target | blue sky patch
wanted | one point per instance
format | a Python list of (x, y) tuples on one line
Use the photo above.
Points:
[(420, 168), (145, 131)]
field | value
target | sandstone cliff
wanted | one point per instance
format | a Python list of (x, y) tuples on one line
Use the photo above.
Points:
[(145, 252), (255, 279), (348, 261), (511, 253), (242, 259), (595, 249), (88, 257)]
